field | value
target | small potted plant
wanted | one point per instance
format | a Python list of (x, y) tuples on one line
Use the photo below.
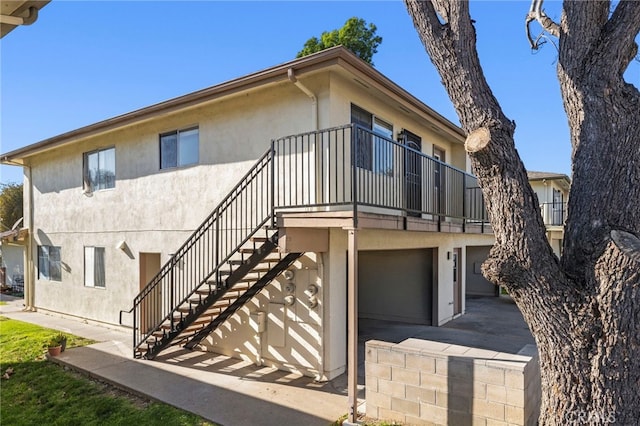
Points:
[(56, 344)]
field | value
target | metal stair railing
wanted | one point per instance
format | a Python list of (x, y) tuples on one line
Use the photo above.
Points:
[(245, 210)]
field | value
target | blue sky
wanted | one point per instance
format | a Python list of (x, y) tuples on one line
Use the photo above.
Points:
[(83, 62)]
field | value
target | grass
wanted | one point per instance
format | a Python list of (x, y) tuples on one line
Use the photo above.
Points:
[(365, 421), (41, 392), (2, 302)]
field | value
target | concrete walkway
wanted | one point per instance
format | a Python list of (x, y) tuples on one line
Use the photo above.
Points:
[(233, 392), (218, 388)]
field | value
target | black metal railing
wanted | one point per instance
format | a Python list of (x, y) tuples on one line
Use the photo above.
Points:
[(553, 214), (352, 166), (198, 261), (347, 167)]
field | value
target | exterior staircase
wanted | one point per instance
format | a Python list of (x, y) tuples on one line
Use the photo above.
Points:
[(255, 265), (234, 253), (226, 261)]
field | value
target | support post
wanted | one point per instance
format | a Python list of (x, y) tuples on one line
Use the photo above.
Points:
[(352, 328)]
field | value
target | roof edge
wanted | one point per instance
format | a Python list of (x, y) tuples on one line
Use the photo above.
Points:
[(272, 74)]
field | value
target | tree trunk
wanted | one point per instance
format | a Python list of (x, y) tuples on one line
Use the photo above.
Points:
[(584, 309)]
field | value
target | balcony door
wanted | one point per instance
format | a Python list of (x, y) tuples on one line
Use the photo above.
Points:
[(413, 173), (438, 180), (558, 208)]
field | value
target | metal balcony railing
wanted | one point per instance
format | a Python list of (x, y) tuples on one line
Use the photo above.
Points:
[(352, 166), (553, 214)]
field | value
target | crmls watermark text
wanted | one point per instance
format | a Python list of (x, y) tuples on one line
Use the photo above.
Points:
[(589, 417)]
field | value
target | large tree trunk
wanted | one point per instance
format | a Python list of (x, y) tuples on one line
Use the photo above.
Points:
[(584, 309)]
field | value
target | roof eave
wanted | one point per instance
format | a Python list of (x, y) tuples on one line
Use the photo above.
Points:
[(337, 55)]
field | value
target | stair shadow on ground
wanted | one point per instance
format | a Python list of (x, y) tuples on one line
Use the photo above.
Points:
[(246, 370), (222, 399)]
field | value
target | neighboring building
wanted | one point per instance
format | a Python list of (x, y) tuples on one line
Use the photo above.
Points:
[(552, 190), (372, 176), (12, 260)]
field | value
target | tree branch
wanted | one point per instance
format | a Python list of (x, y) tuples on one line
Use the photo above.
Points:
[(581, 28), (511, 203), (536, 13), (618, 46), (452, 49)]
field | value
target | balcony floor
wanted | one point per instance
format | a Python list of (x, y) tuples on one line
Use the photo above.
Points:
[(379, 219)]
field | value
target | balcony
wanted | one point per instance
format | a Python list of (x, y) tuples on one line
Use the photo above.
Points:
[(553, 214), (349, 173)]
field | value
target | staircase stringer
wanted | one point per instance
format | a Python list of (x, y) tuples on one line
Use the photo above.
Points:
[(221, 288), (244, 298)]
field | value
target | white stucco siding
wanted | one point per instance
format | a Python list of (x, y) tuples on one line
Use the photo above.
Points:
[(153, 210), (72, 297), (292, 336), (544, 190)]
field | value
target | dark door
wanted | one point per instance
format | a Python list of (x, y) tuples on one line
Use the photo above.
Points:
[(558, 208), (438, 180), (151, 308), (396, 285), (413, 173), (457, 281)]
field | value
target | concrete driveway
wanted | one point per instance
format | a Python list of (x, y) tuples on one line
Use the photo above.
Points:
[(492, 323)]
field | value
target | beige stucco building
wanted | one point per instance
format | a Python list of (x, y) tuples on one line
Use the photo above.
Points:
[(552, 190), (372, 178)]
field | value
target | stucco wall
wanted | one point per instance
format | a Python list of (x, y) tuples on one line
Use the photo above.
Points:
[(292, 334), (152, 210), (345, 92), (155, 210)]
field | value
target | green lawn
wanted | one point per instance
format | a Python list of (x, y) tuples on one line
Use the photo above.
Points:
[(41, 392)]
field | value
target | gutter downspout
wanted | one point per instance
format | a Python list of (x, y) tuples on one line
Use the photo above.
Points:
[(21, 20), (315, 126), (29, 287), (314, 100)]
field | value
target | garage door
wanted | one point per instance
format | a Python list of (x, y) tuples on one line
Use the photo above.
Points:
[(477, 285), (396, 285)]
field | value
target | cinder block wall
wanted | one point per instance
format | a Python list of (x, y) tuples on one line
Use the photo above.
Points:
[(421, 382)]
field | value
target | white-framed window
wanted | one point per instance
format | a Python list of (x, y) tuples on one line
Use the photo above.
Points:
[(375, 151), (49, 265), (94, 270), (382, 148), (179, 148), (99, 170)]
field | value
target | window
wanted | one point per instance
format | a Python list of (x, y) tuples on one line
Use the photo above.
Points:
[(49, 263), (94, 267), (99, 169), (382, 148), (179, 148), (374, 153)]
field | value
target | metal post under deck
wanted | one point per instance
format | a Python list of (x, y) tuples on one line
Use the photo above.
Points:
[(352, 329)]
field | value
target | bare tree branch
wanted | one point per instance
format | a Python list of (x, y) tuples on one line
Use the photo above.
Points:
[(445, 45), (536, 13)]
